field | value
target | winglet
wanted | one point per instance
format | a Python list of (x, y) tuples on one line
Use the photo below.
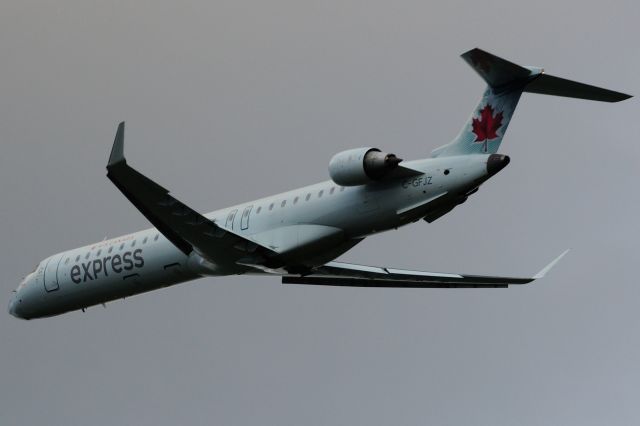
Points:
[(117, 151), (547, 268)]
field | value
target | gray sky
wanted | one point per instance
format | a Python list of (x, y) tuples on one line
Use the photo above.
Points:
[(227, 101)]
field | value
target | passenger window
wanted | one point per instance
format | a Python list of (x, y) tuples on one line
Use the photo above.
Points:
[(284, 203), (341, 188), (87, 256), (121, 246), (258, 210), (333, 188), (295, 200), (320, 193), (271, 206), (78, 258), (133, 243), (308, 196), (98, 253), (110, 249), (66, 261), (156, 237), (145, 240)]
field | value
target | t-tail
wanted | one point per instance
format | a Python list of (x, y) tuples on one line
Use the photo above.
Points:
[(506, 81)]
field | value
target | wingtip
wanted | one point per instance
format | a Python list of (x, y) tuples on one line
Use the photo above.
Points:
[(470, 51), (117, 150), (612, 96), (547, 268), (623, 97)]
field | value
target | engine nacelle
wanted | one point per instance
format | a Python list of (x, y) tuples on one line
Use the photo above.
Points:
[(360, 166)]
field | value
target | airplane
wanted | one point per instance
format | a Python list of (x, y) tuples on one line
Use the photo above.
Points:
[(297, 235)]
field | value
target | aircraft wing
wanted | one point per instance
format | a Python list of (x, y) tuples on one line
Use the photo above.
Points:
[(187, 229), (351, 275)]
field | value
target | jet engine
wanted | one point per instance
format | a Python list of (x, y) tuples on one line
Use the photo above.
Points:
[(360, 166)]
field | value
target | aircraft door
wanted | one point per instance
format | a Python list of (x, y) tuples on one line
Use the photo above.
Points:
[(244, 220), (51, 273), (230, 219)]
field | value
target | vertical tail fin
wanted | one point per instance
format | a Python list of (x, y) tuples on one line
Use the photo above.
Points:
[(506, 81)]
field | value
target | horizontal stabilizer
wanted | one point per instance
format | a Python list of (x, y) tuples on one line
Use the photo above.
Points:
[(494, 70), (546, 84)]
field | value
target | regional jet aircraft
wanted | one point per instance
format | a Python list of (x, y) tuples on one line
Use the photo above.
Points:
[(297, 235)]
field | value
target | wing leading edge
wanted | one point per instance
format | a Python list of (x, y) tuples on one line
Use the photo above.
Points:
[(351, 275)]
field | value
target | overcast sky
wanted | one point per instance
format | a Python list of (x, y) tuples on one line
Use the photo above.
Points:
[(227, 101)]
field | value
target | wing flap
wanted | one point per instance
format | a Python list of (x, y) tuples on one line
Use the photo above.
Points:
[(381, 283)]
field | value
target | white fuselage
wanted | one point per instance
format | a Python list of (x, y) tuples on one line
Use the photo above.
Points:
[(316, 223)]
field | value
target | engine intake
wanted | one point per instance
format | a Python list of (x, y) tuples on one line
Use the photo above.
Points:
[(360, 166)]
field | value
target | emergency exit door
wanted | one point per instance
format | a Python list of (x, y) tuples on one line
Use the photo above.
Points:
[(51, 273), (244, 220)]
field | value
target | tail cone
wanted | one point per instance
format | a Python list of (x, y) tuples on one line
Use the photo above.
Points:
[(497, 162)]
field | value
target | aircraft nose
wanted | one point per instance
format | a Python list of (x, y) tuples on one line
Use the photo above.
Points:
[(497, 162), (14, 306)]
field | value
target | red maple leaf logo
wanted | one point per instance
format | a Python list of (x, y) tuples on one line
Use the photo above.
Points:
[(487, 125)]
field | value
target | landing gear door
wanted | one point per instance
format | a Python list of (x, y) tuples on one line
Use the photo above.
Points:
[(51, 273)]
